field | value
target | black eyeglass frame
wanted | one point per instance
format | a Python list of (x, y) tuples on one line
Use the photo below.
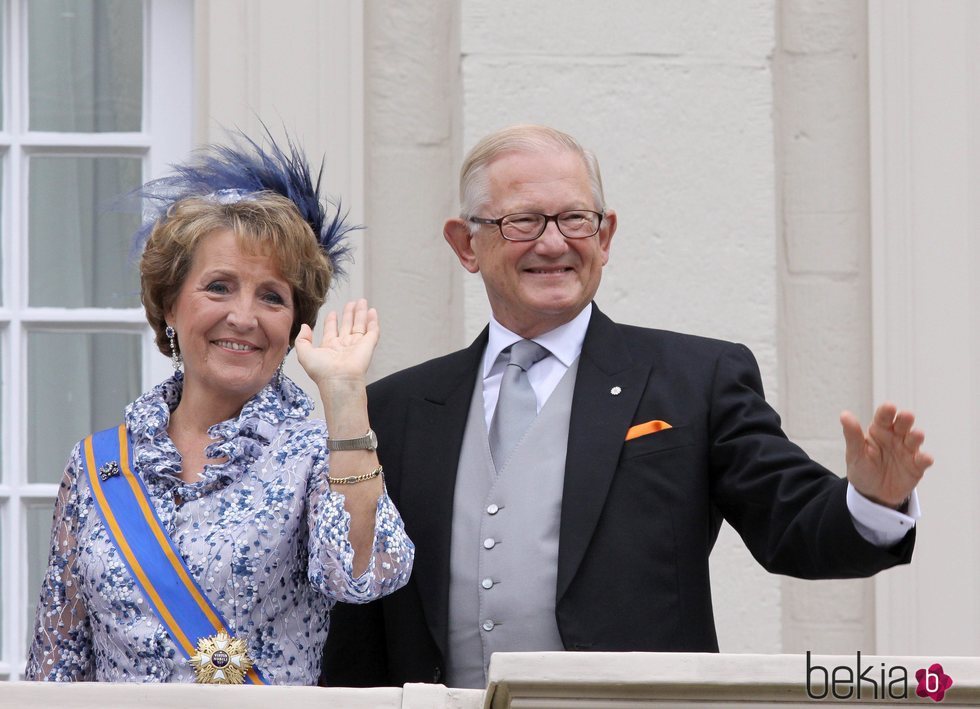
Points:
[(547, 218)]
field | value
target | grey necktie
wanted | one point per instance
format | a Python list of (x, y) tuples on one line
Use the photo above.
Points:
[(516, 404)]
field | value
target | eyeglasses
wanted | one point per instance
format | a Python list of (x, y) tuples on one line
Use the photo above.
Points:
[(528, 226)]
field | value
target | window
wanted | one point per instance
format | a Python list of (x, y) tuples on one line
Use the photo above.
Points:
[(95, 98)]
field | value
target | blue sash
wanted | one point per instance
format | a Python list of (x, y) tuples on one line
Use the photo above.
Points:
[(149, 553)]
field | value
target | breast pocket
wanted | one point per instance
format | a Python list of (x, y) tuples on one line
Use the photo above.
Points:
[(648, 444)]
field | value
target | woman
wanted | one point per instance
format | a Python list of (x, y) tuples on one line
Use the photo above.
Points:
[(208, 539)]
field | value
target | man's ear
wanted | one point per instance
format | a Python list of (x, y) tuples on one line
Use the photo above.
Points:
[(457, 233), (606, 232)]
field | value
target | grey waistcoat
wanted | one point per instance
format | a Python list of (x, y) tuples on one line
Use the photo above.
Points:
[(504, 555)]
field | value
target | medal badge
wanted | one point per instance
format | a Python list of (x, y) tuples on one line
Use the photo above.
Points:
[(221, 659)]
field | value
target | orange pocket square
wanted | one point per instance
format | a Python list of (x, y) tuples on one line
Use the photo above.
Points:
[(644, 429)]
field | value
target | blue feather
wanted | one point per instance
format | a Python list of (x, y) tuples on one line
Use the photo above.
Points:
[(246, 167)]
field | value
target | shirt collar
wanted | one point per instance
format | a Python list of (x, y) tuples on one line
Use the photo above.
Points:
[(564, 342)]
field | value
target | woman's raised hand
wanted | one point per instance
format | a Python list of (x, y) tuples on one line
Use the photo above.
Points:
[(345, 350)]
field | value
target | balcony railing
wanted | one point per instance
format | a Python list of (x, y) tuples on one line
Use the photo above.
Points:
[(576, 680)]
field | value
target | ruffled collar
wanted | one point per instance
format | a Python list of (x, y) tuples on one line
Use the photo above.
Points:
[(240, 440)]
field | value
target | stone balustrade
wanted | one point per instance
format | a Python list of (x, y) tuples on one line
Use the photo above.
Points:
[(576, 680)]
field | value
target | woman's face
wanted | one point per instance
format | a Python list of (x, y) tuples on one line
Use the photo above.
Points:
[(233, 315)]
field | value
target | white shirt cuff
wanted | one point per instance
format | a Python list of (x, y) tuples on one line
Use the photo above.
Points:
[(880, 525)]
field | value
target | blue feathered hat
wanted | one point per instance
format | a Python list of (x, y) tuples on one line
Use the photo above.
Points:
[(228, 173)]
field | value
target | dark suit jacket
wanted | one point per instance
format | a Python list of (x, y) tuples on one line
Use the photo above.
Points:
[(638, 517)]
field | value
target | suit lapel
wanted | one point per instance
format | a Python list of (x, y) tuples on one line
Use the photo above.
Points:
[(433, 440), (597, 428)]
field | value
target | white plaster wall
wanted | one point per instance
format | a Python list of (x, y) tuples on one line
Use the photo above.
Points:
[(676, 99)]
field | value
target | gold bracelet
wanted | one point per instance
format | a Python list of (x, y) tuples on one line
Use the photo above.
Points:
[(351, 479)]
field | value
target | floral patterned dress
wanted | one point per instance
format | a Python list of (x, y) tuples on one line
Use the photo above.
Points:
[(262, 534)]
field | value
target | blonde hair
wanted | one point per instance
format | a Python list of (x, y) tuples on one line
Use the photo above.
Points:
[(264, 222), (473, 182)]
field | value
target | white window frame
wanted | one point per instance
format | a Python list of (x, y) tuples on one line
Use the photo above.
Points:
[(166, 137)]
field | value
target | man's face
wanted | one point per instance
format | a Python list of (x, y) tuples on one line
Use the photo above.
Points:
[(535, 286)]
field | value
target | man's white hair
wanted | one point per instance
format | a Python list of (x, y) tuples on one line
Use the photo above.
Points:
[(525, 138)]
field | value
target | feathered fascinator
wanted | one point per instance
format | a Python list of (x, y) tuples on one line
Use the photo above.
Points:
[(230, 173)]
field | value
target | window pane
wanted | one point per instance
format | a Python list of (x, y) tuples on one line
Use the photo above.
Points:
[(85, 65), (39, 515), (3, 38), (2, 186), (3, 470), (77, 383), (79, 251)]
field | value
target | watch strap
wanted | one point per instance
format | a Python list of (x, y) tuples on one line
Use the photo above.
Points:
[(368, 442)]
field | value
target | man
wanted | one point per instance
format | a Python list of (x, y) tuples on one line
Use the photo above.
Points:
[(589, 526)]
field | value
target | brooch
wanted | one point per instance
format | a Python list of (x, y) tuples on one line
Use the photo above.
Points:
[(221, 660), (109, 470)]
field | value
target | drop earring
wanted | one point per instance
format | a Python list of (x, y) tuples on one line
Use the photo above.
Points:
[(279, 368), (175, 358)]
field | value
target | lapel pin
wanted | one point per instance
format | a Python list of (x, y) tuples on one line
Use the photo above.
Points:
[(616, 391)]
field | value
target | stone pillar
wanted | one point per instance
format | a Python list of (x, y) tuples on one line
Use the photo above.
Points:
[(821, 98), (412, 162)]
